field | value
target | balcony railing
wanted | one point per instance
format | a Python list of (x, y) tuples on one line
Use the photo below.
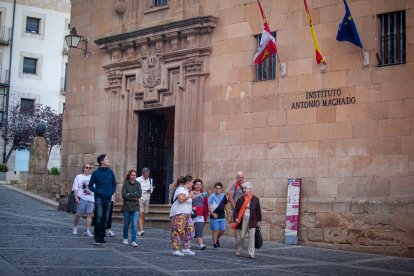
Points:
[(4, 76), (5, 35)]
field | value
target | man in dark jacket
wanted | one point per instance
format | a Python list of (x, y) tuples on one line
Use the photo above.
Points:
[(103, 184)]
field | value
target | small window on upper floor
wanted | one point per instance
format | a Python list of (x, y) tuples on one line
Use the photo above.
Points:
[(156, 3), (32, 25), (392, 38), (29, 65), (266, 70), (27, 105)]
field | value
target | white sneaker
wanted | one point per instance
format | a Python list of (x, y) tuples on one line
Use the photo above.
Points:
[(75, 231), (178, 253), (110, 233), (202, 247), (125, 241), (134, 244), (88, 233), (188, 252), (141, 233)]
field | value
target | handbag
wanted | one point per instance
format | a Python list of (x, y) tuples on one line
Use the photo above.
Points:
[(258, 239)]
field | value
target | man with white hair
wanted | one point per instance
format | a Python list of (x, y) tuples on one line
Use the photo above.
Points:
[(234, 192), (147, 188)]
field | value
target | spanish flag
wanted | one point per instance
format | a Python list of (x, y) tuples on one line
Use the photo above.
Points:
[(267, 45), (318, 55)]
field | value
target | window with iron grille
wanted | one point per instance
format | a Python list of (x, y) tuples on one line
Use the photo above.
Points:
[(392, 38), (156, 3), (32, 25), (266, 70), (27, 105), (29, 65)]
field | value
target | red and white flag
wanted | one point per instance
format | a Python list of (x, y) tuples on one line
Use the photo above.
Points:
[(267, 45)]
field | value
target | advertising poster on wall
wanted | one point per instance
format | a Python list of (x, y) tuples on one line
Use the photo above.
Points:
[(292, 211)]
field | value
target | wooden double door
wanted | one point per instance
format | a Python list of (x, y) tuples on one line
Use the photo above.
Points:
[(155, 141)]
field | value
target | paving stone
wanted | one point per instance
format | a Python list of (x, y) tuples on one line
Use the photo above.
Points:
[(37, 240)]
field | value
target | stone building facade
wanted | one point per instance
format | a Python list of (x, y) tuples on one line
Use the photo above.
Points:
[(171, 85)]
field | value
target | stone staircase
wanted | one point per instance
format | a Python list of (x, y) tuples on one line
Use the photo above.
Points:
[(158, 216)]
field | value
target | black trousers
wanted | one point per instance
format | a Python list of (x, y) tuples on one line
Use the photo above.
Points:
[(102, 209)]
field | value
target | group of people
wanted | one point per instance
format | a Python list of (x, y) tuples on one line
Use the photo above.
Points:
[(94, 197), (191, 208)]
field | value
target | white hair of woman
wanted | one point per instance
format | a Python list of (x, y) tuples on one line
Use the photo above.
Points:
[(247, 185)]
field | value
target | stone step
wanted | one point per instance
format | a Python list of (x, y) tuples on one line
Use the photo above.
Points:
[(158, 216)]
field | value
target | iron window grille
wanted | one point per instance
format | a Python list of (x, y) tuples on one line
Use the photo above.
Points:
[(392, 38), (266, 70)]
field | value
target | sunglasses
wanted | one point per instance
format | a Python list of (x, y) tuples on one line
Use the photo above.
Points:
[(88, 168)]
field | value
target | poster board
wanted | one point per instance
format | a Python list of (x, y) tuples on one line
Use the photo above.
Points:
[(292, 211)]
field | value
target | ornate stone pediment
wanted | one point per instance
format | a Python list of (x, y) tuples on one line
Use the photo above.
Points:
[(152, 53)]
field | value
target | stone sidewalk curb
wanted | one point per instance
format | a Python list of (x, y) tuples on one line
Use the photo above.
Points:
[(31, 195)]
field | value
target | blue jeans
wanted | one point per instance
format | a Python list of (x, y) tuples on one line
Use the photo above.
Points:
[(102, 209), (131, 217)]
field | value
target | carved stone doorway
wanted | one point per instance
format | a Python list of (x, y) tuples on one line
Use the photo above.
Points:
[(155, 141)]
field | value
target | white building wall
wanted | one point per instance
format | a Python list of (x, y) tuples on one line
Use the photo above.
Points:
[(47, 46)]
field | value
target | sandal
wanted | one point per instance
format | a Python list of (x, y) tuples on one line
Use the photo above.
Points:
[(238, 254), (252, 257)]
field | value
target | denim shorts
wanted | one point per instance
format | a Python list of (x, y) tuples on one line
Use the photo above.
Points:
[(218, 224), (84, 207)]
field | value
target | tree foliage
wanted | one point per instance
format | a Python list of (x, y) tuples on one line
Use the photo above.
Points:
[(53, 121), (20, 127)]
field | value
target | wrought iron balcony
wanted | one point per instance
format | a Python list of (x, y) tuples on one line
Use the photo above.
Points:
[(5, 35), (4, 76)]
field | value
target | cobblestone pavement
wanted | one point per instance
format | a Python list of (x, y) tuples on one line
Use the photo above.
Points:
[(36, 239)]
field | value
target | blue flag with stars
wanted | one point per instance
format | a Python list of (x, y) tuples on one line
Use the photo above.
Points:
[(347, 30)]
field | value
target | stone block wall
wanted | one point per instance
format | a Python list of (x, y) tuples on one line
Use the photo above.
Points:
[(370, 225), (356, 160), (50, 186)]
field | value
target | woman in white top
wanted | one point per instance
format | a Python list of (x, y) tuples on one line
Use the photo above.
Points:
[(182, 227)]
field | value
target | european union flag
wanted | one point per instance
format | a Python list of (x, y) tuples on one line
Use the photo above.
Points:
[(347, 30)]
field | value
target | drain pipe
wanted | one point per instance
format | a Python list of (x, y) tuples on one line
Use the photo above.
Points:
[(9, 78)]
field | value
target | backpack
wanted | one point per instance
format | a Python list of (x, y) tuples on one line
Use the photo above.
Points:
[(71, 203)]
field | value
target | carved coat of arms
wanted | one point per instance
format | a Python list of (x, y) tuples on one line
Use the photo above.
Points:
[(151, 72)]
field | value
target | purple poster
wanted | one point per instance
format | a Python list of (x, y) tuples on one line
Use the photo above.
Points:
[(292, 210)]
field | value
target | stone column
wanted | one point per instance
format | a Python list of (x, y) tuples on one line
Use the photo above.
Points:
[(38, 156)]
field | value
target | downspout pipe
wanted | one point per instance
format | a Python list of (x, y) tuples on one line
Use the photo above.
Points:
[(9, 78)]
